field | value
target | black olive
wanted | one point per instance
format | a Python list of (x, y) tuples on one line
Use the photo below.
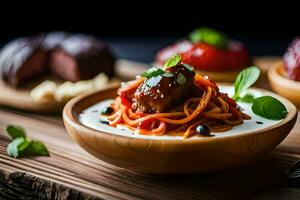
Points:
[(203, 130), (258, 122), (107, 110), (104, 122)]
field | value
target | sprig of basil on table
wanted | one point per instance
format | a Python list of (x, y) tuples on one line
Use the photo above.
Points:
[(269, 107), (21, 145), (209, 36), (244, 80), (15, 131)]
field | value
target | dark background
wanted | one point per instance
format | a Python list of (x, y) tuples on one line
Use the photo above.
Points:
[(138, 30)]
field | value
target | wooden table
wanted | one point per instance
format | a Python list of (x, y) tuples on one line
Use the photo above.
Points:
[(70, 170), (70, 166)]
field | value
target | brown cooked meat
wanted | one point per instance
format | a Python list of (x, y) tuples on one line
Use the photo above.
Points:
[(80, 57), (70, 57), (159, 94), (21, 60)]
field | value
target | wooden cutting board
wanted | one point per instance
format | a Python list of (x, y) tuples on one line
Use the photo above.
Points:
[(125, 70)]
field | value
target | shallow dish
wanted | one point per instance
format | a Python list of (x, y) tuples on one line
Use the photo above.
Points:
[(287, 88), (172, 154)]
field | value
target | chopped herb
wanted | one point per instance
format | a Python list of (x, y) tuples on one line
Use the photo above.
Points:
[(188, 67), (181, 79), (258, 122), (153, 81), (269, 107), (154, 71), (167, 74), (209, 36), (172, 61)]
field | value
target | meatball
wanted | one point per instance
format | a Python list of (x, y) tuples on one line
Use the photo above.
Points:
[(160, 93)]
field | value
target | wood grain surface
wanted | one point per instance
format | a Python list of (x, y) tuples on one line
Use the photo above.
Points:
[(19, 185), (72, 167)]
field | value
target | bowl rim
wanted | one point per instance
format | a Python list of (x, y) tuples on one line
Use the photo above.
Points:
[(70, 119), (282, 80)]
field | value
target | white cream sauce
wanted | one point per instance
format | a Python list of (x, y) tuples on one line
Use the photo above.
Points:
[(91, 117)]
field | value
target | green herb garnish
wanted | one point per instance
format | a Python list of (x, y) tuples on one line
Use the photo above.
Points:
[(15, 131), (181, 79), (167, 74), (154, 71), (172, 61), (188, 67), (248, 98), (21, 145), (153, 81), (265, 106), (36, 148), (209, 36), (244, 80), (269, 107), (14, 147)]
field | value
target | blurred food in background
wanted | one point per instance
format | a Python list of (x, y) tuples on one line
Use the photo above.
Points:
[(211, 53), (68, 63), (284, 75), (292, 60)]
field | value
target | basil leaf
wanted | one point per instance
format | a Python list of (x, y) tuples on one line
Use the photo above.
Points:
[(154, 71), (172, 61), (15, 131), (244, 80), (209, 36), (181, 79), (153, 81), (36, 148), (167, 74), (13, 148), (21, 145), (188, 67), (248, 98), (269, 107)]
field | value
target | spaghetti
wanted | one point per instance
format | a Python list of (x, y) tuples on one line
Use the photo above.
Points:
[(212, 108)]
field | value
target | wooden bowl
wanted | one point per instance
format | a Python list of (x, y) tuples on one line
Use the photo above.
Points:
[(282, 85), (155, 156)]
